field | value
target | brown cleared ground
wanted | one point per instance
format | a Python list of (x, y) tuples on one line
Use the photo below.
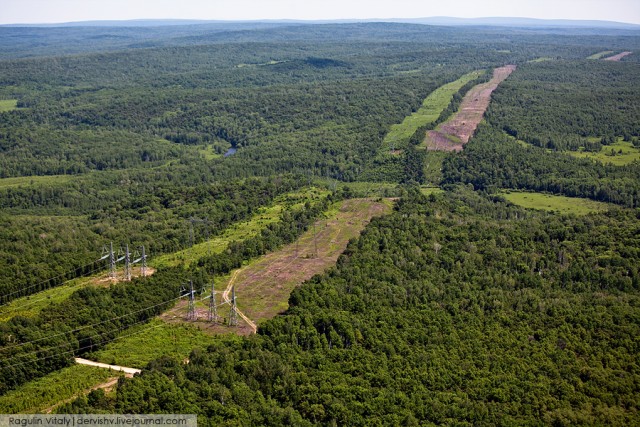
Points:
[(455, 132), (263, 287), (617, 57)]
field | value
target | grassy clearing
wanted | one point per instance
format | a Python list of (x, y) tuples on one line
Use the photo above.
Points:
[(431, 108), (142, 344), (431, 190), (26, 181), (548, 202), (619, 153), (241, 230), (600, 54), (8, 105), (31, 305), (38, 395), (541, 59)]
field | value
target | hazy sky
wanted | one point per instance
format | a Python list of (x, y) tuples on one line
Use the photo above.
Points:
[(46, 11)]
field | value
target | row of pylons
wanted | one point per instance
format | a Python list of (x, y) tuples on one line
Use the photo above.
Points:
[(126, 255), (213, 315)]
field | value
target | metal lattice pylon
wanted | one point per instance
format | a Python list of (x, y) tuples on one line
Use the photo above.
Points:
[(233, 314), (191, 315), (127, 264), (143, 267), (213, 308), (112, 262)]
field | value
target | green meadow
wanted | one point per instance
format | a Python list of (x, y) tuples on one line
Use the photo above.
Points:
[(549, 202), (8, 105), (600, 54), (43, 393), (619, 153)]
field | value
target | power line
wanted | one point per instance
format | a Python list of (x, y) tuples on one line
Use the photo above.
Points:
[(83, 348), (50, 279), (91, 336), (89, 326), (32, 302)]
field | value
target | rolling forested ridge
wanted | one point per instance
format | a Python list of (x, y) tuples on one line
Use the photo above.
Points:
[(216, 145)]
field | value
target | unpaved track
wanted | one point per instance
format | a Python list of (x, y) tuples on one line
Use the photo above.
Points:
[(455, 132), (124, 369), (617, 57), (108, 385), (225, 296)]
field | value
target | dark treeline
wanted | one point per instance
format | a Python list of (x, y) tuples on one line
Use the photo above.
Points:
[(559, 104), (456, 308), (556, 106), (494, 160)]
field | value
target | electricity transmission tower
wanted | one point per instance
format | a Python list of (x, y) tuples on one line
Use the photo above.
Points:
[(127, 264), (213, 308), (191, 315), (233, 314), (112, 263)]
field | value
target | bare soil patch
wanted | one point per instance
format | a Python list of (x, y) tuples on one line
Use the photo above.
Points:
[(263, 287), (617, 57), (104, 279), (455, 132)]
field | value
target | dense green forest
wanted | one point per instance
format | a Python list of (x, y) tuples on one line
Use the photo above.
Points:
[(457, 308), (557, 107)]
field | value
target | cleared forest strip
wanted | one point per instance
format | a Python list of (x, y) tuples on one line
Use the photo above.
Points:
[(617, 57), (599, 55), (264, 286), (241, 230), (431, 108), (32, 305), (455, 132)]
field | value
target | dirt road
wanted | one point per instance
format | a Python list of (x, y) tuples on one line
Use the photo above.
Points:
[(225, 297), (124, 369)]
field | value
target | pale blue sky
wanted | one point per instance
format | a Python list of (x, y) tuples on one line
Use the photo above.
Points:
[(48, 11)]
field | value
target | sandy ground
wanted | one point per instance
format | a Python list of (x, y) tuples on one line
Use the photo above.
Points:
[(455, 132), (617, 57)]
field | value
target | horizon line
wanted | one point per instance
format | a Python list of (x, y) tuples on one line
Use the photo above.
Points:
[(328, 20)]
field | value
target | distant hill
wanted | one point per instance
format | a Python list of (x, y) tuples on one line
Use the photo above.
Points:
[(437, 20), (520, 22)]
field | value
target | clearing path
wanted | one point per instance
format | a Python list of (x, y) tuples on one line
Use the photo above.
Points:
[(225, 297), (263, 287), (399, 135), (106, 386), (124, 369), (455, 132), (617, 57)]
